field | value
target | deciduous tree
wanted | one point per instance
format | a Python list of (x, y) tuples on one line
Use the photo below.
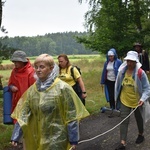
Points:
[(116, 23), (0, 12)]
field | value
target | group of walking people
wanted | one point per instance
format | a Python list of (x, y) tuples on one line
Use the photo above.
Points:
[(47, 109), (127, 88)]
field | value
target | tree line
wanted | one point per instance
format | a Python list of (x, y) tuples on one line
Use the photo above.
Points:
[(51, 43)]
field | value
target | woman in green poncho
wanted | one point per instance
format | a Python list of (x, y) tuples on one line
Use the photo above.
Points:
[(49, 111)]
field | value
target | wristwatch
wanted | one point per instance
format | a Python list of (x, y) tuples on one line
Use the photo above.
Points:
[(83, 92)]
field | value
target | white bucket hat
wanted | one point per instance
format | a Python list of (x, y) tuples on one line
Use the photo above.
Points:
[(132, 55)]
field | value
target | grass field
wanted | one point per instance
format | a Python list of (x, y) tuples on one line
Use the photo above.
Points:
[(91, 67), (71, 57)]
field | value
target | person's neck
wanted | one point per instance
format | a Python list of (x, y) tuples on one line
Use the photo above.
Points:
[(129, 71)]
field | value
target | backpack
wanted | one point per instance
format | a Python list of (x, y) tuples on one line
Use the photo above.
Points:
[(76, 87), (72, 73)]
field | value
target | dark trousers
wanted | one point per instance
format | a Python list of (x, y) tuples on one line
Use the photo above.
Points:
[(111, 87)]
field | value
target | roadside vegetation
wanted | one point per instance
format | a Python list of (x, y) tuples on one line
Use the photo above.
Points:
[(91, 66)]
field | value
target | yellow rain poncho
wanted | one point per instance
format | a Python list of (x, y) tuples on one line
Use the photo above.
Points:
[(43, 116)]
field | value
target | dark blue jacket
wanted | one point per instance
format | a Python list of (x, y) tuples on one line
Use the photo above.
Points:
[(117, 63)]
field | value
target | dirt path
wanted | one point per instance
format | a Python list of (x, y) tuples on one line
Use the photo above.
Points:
[(100, 123)]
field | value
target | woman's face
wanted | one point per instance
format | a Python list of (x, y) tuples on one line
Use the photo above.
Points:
[(19, 64), (131, 64), (111, 58), (42, 70), (62, 62)]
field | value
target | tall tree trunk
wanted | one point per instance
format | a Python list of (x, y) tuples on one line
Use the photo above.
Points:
[(0, 12)]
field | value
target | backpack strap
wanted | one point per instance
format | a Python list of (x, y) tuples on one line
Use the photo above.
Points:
[(72, 73), (140, 73)]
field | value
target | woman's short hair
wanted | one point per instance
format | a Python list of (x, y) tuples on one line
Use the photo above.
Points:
[(47, 59)]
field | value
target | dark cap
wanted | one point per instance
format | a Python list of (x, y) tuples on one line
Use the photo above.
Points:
[(137, 44), (19, 56)]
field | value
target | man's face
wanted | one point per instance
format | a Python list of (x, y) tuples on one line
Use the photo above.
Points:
[(138, 48)]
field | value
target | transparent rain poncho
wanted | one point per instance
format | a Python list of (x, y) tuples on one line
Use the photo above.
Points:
[(43, 116)]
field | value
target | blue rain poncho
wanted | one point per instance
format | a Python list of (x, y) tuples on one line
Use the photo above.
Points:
[(44, 116)]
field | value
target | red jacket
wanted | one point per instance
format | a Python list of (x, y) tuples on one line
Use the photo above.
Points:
[(22, 78)]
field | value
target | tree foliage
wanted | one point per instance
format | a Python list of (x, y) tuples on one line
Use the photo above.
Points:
[(4, 51), (118, 24), (0, 12), (2, 29), (53, 44)]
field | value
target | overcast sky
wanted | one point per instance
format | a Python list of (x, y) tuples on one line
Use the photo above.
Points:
[(38, 17)]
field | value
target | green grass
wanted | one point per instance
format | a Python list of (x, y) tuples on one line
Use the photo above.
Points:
[(5, 130), (91, 67), (71, 57)]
